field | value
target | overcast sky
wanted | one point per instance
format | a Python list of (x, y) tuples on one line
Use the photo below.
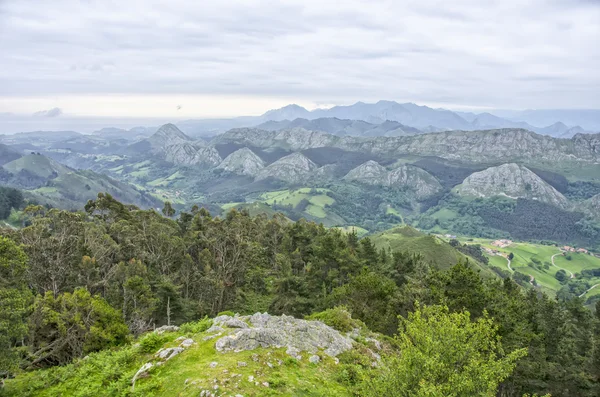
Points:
[(227, 58)]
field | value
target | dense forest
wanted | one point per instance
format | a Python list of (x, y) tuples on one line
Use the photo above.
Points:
[(72, 283), (9, 199)]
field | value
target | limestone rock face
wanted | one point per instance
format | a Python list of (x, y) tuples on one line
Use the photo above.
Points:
[(191, 153), (282, 331), (244, 162), (512, 144), (591, 207), (511, 180), (414, 178), (168, 135), (293, 168)]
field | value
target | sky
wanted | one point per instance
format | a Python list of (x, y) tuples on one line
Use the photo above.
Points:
[(184, 59)]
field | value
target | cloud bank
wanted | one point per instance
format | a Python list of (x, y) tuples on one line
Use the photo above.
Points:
[(502, 54)]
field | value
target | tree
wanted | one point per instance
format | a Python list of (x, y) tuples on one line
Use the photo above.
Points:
[(72, 325), (14, 299), (561, 276), (511, 256), (444, 354), (168, 210)]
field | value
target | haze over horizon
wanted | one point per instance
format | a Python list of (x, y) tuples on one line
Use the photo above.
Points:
[(176, 60)]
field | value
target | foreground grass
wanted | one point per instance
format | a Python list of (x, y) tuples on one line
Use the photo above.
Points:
[(261, 372)]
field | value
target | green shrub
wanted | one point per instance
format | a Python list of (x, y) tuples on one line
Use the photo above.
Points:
[(226, 313), (196, 327), (339, 318), (151, 342)]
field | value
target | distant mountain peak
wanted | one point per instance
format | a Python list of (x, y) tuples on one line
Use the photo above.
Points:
[(289, 112), (168, 135)]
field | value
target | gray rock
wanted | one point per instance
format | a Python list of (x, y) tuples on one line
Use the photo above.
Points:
[(244, 162), (166, 328), (187, 343), (293, 168), (168, 353), (142, 372), (213, 364), (314, 359), (416, 179), (235, 323), (513, 181), (242, 364), (284, 331)]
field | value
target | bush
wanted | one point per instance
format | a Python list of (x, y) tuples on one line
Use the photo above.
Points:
[(151, 342), (196, 326), (339, 318), (226, 313), (72, 325)]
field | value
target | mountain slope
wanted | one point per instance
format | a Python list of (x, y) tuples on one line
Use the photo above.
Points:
[(434, 250), (591, 207), (7, 154), (34, 166), (416, 179), (469, 146), (511, 180), (243, 161), (167, 135), (342, 127), (293, 168)]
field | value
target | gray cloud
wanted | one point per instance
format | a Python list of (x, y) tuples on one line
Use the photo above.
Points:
[(54, 112), (542, 54)]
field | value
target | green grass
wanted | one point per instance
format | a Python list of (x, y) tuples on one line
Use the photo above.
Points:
[(526, 253), (578, 262), (109, 373), (317, 198), (349, 229), (445, 214), (435, 250)]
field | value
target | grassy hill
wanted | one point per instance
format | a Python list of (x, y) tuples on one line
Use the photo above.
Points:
[(73, 189), (48, 182), (434, 249), (34, 164), (200, 367), (7, 154)]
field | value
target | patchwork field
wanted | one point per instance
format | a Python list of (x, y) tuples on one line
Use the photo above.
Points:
[(535, 260)]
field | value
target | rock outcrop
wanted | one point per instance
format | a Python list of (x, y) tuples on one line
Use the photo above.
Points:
[(414, 178), (591, 207), (293, 168), (167, 135), (244, 162), (513, 181), (264, 330), (512, 144), (191, 153)]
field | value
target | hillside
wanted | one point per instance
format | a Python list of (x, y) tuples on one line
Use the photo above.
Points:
[(413, 178), (7, 154), (469, 146), (434, 250), (48, 182), (120, 279), (204, 359), (513, 181)]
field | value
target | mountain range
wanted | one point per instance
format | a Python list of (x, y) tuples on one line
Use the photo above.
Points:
[(410, 118)]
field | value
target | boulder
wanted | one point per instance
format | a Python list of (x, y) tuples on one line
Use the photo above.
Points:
[(168, 353), (166, 328), (282, 331)]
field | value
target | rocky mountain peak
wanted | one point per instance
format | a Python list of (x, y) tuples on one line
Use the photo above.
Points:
[(168, 135), (292, 168), (416, 179), (511, 180), (243, 161)]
